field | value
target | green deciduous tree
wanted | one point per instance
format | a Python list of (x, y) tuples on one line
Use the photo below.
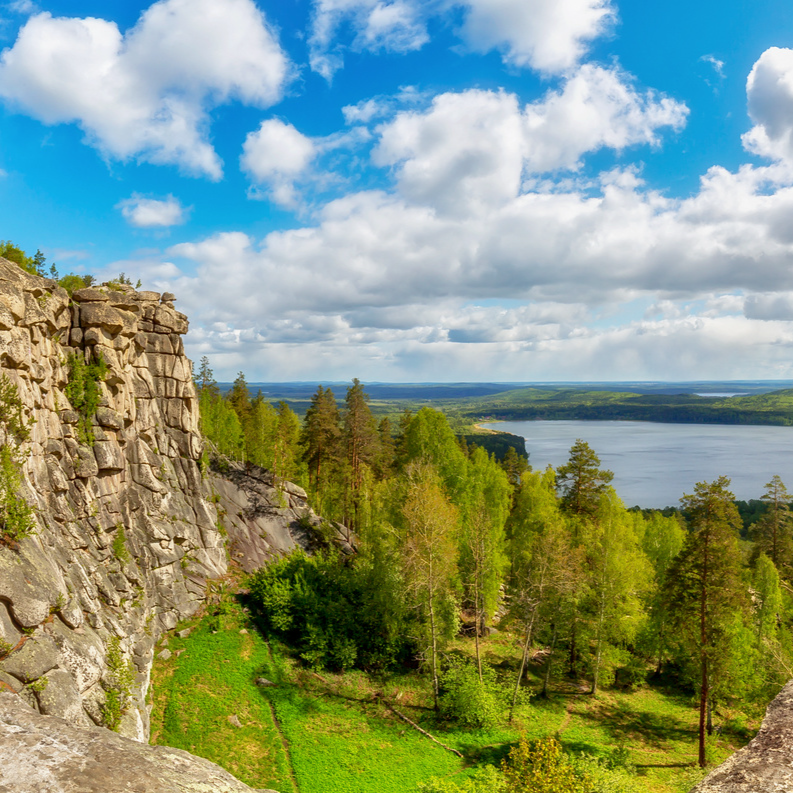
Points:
[(431, 524)]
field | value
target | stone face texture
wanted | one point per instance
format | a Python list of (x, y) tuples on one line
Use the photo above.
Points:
[(765, 765), (66, 591), (65, 585), (265, 519), (45, 754)]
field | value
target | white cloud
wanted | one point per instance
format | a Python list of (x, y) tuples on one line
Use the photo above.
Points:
[(471, 149), (21, 6), (152, 213), (595, 108), (548, 35), (147, 93), (551, 36), (465, 152), (769, 90), (395, 26), (274, 156), (718, 66)]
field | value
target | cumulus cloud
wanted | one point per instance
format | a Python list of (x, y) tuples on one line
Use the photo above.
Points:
[(769, 90), (147, 93), (376, 25), (148, 213), (596, 108), (551, 36), (275, 155), (472, 149), (548, 35)]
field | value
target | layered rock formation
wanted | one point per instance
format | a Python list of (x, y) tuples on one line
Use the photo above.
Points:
[(128, 526)]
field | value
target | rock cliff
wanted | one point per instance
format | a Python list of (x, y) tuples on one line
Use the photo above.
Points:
[(765, 765), (129, 522)]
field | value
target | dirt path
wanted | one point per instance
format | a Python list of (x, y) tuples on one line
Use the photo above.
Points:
[(277, 724)]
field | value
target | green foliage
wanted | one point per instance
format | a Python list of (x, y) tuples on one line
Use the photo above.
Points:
[(72, 282), (30, 264), (16, 515), (120, 551), (581, 480), (39, 685), (83, 391), (484, 780), (467, 701), (118, 685), (542, 767), (329, 612)]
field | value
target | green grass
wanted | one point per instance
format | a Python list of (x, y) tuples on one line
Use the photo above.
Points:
[(195, 692), (342, 739)]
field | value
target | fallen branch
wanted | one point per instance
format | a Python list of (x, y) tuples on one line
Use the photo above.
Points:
[(423, 732)]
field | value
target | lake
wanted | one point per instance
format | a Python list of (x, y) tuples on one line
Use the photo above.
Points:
[(654, 464)]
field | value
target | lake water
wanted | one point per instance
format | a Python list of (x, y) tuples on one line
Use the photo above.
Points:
[(654, 464)]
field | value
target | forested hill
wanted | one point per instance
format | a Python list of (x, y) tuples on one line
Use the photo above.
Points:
[(534, 403)]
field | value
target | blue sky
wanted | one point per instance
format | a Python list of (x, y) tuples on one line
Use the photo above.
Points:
[(406, 190)]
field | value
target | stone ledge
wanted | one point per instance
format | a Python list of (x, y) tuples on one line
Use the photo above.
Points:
[(765, 765), (47, 753)]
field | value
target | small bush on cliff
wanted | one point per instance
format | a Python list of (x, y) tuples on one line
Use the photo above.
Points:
[(120, 550), (16, 515), (83, 391), (118, 685)]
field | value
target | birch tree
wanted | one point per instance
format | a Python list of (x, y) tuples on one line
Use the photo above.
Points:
[(429, 556)]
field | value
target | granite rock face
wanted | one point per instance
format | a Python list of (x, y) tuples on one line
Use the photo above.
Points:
[(128, 529), (44, 754), (265, 518), (765, 765)]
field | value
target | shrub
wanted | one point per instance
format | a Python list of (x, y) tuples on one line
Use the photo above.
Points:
[(329, 611), (118, 685), (16, 515), (120, 545), (467, 700), (542, 767), (83, 391), (484, 780)]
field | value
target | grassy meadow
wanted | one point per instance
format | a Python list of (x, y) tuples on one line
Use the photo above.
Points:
[(330, 733)]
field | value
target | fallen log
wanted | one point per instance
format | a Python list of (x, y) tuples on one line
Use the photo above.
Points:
[(422, 731)]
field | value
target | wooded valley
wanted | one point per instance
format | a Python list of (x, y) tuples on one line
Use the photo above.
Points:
[(454, 546)]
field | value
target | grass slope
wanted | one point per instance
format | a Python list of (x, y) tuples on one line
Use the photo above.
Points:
[(332, 734)]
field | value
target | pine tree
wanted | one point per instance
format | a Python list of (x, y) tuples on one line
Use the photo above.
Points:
[(703, 585), (361, 443), (320, 439), (581, 480), (773, 531)]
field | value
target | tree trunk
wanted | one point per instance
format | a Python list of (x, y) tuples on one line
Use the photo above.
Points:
[(477, 620), (434, 651), (544, 692), (599, 651), (522, 666)]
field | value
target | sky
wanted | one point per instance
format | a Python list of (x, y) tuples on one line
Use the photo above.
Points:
[(419, 190)]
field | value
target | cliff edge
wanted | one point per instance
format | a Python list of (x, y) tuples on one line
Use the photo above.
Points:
[(129, 523)]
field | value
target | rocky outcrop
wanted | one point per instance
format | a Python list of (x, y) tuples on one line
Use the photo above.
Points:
[(44, 754), (128, 526), (265, 518), (765, 765)]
